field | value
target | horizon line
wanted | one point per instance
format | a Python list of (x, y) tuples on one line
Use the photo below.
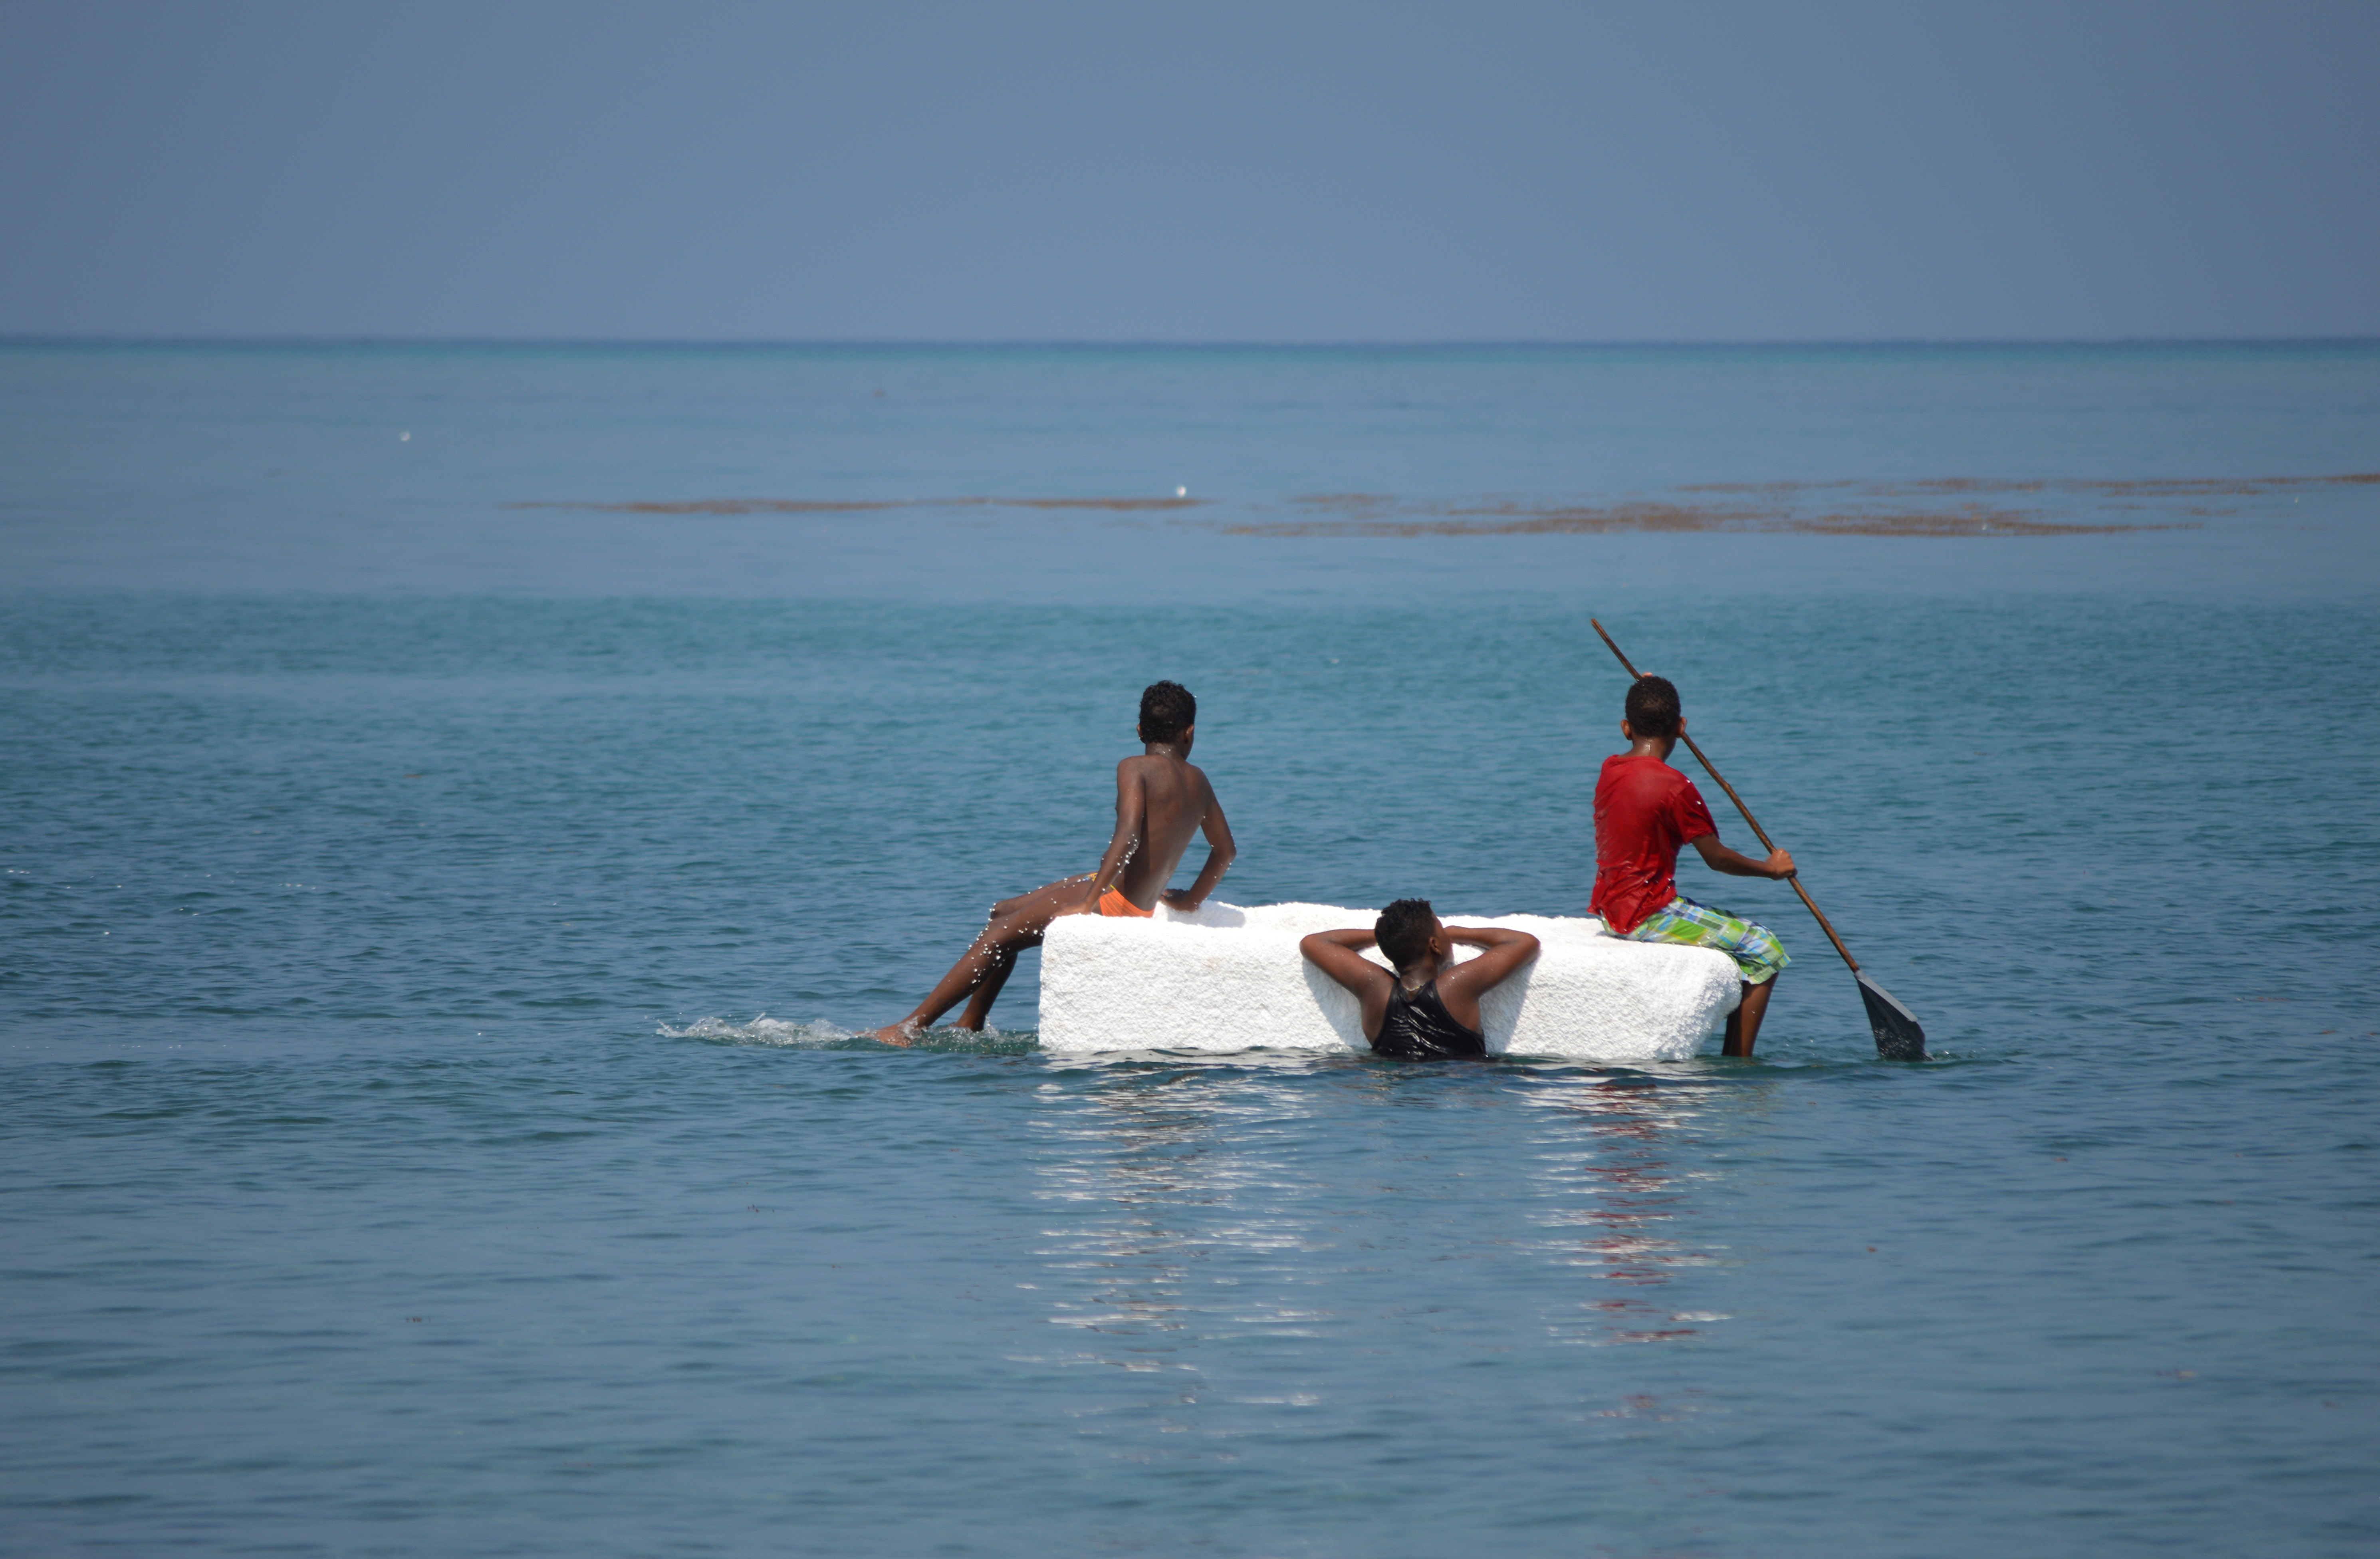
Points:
[(1164, 344)]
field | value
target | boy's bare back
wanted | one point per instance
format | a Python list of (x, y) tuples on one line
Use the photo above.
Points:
[(1171, 800)]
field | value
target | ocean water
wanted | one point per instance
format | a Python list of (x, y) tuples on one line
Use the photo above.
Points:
[(458, 803)]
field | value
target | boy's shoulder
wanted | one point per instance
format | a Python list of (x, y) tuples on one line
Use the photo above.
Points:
[(1641, 779), (1144, 761), (1645, 769)]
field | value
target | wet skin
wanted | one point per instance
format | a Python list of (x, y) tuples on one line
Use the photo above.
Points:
[(1162, 801), (1339, 955)]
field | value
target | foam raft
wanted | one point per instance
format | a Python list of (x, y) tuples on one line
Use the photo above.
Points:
[(1229, 979)]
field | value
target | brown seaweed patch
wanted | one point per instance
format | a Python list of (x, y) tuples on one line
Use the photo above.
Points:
[(2137, 487), (2227, 484), (2145, 487), (855, 506), (1686, 520), (1764, 489), (2209, 487), (1112, 505), (1959, 484), (723, 506), (1900, 507), (1520, 520), (1955, 523)]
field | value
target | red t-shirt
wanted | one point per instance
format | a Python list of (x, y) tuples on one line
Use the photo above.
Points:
[(1644, 812)]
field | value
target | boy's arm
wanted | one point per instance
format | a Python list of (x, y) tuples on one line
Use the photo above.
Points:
[(1718, 858), (1131, 818), (1506, 952), (1336, 953), (1221, 853)]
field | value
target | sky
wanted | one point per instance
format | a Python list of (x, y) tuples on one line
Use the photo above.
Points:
[(525, 169)]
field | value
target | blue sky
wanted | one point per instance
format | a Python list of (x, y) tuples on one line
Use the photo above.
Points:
[(1281, 172)]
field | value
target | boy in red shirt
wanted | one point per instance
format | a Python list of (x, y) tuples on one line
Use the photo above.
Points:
[(1643, 810)]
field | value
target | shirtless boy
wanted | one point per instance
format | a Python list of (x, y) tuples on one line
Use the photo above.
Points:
[(1644, 812), (1161, 802), (1429, 1010)]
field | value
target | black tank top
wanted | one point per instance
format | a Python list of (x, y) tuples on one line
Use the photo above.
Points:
[(1418, 1028)]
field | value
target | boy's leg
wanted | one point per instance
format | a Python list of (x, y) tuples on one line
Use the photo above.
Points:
[(1744, 1023), (1015, 924), (987, 991), (1758, 956)]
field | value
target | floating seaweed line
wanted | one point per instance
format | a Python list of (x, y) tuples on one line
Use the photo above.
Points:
[(1940, 507), (853, 505)]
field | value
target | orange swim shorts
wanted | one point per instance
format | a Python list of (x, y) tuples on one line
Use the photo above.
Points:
[(1113, 903)]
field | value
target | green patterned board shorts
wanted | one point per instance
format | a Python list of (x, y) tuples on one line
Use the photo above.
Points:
[(1755, 949)]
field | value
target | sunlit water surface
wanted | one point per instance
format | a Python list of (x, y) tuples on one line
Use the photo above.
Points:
[(434, 933)]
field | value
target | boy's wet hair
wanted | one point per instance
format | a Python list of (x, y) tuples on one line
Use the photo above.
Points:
[(1653, 707), (1403, 929), (1166, 711)]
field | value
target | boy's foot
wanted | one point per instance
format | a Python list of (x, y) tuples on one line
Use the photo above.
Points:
[(898, 1034)]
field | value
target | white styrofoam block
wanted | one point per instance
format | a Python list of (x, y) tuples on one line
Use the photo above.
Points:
[(1229, 979)]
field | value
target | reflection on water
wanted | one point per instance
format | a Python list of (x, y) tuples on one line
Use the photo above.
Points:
[(1206, 1214), (1183, 1190), (1613, 1199)]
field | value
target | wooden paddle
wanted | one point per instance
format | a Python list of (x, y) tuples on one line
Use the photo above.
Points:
[(1898, 1036)]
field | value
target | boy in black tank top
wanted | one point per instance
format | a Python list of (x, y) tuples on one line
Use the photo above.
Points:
[(1429, 1010)]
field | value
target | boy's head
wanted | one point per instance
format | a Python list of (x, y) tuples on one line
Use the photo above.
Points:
[(1166, 711), (1403, 930), (1653, 708)]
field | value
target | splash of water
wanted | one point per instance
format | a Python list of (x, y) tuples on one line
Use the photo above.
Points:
[(818, 1034)]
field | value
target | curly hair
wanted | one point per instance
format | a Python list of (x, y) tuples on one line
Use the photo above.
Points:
[(1166, 711), (1403, 929), (1653, 708)]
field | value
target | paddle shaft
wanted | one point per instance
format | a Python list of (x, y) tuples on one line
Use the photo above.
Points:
[(1757, 830)]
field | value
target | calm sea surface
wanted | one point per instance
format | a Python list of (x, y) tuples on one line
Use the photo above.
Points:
[(457, 803)]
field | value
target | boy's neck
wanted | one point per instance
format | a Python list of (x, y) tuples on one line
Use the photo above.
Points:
[(1653, 747), (1163, 750)]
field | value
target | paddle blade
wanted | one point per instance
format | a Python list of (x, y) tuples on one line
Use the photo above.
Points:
[(1898, 1036)]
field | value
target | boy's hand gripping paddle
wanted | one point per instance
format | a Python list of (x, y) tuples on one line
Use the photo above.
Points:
[(1897, 1035)]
